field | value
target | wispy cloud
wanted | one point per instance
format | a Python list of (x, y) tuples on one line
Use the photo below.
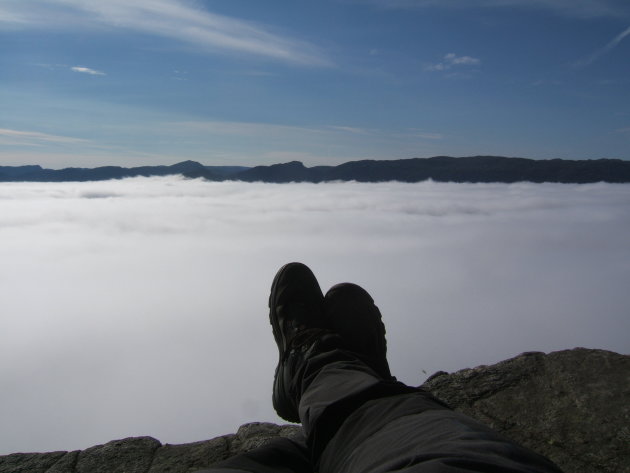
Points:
[(452, 60), (605, 50), (34, 138), (241, 128), (271, 130), (87, 70), (350, 129), (424, 135), (384, 134), (573, 8), (10, 17), (181, 20)]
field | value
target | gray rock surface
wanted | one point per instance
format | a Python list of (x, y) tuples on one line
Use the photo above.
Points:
[(147, 455), (118, 456), (572, 406)]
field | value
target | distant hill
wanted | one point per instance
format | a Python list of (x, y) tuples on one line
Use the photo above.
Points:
[(38, 174), (448, 169), (439, 168)]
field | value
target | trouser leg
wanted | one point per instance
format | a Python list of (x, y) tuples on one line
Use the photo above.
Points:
[(356, 422), (358, 419)]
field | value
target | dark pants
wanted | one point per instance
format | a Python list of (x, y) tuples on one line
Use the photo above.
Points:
[(355, 422)]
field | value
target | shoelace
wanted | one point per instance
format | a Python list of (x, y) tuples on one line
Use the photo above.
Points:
[(306, 337)]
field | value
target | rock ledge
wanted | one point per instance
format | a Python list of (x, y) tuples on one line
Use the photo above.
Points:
[(572, 406)]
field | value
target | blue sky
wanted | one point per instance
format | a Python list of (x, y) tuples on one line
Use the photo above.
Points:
[(223, 82)]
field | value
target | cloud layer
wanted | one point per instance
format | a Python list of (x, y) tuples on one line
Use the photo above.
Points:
[(138, 307)]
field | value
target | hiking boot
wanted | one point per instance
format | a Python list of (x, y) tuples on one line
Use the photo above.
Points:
[(358, 322), (297, 318)]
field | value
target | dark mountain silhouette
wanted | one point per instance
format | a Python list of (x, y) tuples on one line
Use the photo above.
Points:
[(439, 168), (448, 169), (36, 173), (16, 171)]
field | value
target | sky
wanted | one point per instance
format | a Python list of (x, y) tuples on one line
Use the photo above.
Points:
[(139, 306), (88, 83)]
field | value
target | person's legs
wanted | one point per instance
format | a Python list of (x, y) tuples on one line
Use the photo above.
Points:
[(333, 376), (356, 417)]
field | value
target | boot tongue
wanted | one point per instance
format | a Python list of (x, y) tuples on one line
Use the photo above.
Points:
[(300, 316)]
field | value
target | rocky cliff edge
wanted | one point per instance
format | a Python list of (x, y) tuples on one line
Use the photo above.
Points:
[(573, 406)]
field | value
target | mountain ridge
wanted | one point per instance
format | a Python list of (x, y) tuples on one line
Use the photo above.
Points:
[(438, 168)]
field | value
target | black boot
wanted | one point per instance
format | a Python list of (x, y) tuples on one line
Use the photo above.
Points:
[(299, 324), (358, 322)]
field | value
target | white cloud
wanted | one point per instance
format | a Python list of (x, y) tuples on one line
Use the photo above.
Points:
[(605, 50), (619, 38), (126, 304), (34, 138), (182, 20), (87, 70), (451, 60), (350, 129), (10, 17)]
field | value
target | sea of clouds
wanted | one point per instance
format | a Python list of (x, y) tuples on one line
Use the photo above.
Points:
[(139, 306)]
